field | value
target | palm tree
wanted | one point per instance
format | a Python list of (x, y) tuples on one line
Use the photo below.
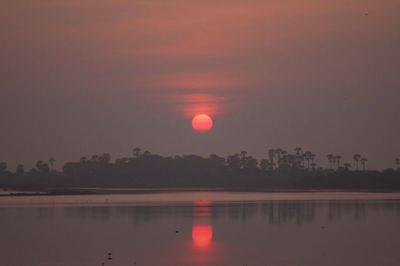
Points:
[(363, 161), (334, 161), (357, 158), (338, 158), (308, 156), (330, 157)]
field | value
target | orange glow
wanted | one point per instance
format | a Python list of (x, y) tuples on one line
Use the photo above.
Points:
[(197, 81), (201, 103), (202, 236), (202, 123)]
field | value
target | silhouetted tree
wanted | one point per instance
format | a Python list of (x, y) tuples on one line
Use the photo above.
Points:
[(95, 158), (239, 170), (217, 160), (338, 158), (330, 160), (3, 167), (234, 162), (346, 166), (105, 158), (42, 167), (265, 165), (136, 152), (20, 171), (243, 159), (357, 158), (278, 152), (271, 155), (51, 162), (363, 161), (313, 166), (307, 157), (121, 162), (146, 153), (398, 163), (251, 164)]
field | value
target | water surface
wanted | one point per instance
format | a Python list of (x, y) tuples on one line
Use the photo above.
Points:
[(204, 232)]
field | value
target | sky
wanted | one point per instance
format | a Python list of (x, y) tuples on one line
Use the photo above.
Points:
[(92, 76)]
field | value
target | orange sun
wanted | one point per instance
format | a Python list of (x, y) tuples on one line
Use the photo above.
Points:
[(202, 123)]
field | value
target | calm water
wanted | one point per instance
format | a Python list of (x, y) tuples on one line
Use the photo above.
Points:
[(204, 232)]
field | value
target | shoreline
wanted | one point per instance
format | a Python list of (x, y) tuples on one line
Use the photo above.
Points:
[(194, 198), (135, 191)]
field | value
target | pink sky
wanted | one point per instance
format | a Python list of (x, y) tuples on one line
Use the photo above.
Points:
[(107, 75)]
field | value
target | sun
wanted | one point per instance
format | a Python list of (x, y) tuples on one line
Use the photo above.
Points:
[(202, 123)]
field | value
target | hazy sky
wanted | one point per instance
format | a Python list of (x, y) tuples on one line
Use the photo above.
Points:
[(94, 76)]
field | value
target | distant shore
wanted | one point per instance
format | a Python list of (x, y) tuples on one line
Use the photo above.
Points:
[(192, 198), (132, 191)]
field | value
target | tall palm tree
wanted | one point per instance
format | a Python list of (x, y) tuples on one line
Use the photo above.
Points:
[(330, 158), (334, 161), (338, 158), (363, 161), (308, 156), (357, 158)]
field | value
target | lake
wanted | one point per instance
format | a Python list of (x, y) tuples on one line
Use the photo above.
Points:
[(199, 228)]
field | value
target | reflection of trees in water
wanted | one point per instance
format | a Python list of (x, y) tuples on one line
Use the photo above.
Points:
[(241, 211), (275, 212), (356, 209), (279, 212)]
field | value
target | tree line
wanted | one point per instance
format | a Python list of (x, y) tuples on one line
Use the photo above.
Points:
[(280, 170)]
